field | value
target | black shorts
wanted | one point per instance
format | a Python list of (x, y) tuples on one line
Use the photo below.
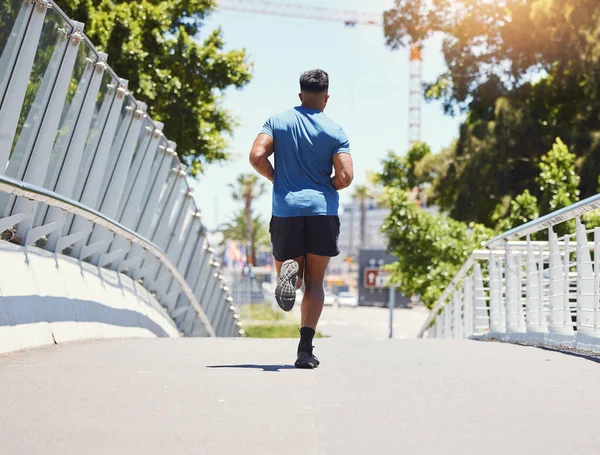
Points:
[(297, 236)]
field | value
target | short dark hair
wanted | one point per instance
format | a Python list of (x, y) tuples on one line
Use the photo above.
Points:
[(314, 81)]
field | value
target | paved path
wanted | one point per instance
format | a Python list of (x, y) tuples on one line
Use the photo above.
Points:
[(370, 322), (199, 396)]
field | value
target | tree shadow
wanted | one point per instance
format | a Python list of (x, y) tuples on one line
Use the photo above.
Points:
[(274, 368)]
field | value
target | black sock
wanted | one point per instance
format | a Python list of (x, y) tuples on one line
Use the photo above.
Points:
[(306, 338)]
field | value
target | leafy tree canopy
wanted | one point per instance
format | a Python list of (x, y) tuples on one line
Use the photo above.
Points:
[(430, 248), (400, 171), (525, 72), (152, 44)]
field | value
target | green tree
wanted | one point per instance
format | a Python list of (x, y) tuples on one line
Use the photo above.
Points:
[(430, 248), (399, 171), (558, 181), (237, 229), (154, 44), (246, 189), (523, 208), (525, 72), (558, 185)]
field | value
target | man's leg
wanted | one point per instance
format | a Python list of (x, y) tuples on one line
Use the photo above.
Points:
[(314, 294), (312, 306)]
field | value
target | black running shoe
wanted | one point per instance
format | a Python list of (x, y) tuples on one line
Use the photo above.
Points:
[(306, 360), (285, 292)]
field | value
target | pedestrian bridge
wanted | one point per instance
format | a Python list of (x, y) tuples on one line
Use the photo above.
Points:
[(102, 239), (101, 235)]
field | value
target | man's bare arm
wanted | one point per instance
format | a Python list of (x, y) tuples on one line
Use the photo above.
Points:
[(344, 171), (262, 149)]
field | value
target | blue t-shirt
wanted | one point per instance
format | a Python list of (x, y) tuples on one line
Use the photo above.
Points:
[(305, 141)]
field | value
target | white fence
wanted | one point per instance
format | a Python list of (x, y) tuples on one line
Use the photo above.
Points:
[(545, 292), (85, 172)]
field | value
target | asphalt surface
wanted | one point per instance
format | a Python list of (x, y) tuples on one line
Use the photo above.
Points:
[(369, 322), (203, 396)]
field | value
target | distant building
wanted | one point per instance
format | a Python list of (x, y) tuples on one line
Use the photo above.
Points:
[(350, 236)]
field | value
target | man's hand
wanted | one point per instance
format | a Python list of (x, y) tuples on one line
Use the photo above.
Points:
[(259, 156), (344, 171)]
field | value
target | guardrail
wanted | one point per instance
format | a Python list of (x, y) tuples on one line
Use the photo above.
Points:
[(545, 292), (85, 171)]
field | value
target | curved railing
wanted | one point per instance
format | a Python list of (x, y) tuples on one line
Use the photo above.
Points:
[(518, 289), (84, 170)]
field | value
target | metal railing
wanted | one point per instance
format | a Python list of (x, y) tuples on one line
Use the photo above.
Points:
[(85, 171), (517, 289)]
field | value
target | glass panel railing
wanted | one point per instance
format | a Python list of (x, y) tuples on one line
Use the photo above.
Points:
[(85, 65), (14, 16), (139, 155), (108, 89), (157, 163), (104, 100), (171, 214), (167, 187), (125, 118), (52, 45), (83, 70)]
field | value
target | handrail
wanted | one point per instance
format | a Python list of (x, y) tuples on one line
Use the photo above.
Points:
[(547, 221), (509, 239), (39, 194), (460, 275)]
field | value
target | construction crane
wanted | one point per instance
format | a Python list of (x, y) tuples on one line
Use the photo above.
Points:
[(350, 19)]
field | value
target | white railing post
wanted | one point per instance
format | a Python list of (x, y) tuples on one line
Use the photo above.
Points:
[(515, 319), (544, 295), (447, 321), (497, 305), (596, 346), (481, 320), (585, 290), (468, 307), (561, 329), (536, 328)]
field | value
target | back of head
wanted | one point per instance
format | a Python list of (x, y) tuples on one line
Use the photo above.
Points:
[(314, 88), (314, 81)]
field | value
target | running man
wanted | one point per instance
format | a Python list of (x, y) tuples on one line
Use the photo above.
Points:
[(308, 146)]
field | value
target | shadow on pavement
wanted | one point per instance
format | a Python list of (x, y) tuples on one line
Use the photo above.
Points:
[(581, 355), (586, 355), (256, 367)]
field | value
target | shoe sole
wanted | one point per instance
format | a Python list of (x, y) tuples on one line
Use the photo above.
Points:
[(306, 365), (285, 292)]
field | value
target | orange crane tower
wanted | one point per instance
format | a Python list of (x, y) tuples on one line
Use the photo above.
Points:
[(350, 19)]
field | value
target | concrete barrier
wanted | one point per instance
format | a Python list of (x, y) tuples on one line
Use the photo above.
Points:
[(47, 298)]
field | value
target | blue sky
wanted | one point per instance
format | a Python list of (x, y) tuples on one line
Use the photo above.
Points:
[(368, 87)]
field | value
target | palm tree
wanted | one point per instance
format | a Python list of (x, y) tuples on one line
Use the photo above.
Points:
[(237, 230), (246, 189), (362, 193)]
